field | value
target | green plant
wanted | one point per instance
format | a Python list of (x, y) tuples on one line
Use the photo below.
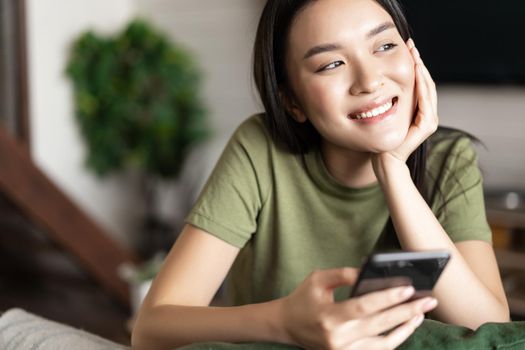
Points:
[(137, 105)]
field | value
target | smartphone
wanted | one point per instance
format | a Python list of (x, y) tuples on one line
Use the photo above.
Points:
[(418, 269)]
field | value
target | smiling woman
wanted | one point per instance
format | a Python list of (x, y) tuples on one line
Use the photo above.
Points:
[(350, 72), (347, 159)]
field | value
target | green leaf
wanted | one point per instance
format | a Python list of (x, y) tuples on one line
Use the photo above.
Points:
[(137, 100)]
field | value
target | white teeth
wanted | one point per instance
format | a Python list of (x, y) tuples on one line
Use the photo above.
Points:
[(374, 112)]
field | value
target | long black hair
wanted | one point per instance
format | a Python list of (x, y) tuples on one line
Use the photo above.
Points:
[(269, 70)]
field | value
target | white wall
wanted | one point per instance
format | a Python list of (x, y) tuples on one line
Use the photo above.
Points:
[(220, 34), (55, 142), (496, 115)]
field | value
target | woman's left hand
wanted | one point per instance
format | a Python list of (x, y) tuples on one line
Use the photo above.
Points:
[(426, 120)]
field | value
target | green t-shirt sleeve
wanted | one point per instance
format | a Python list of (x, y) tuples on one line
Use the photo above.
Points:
[(459, 202), (229, 204)]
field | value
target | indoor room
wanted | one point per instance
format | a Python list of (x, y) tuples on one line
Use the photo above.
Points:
[(113, 119)]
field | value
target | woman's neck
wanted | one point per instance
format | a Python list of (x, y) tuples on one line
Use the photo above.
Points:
[(350, 168)]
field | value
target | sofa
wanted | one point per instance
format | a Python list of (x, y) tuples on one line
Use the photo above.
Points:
[(21, 330)]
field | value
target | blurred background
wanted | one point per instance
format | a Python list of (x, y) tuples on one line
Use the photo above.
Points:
[(66, 229)]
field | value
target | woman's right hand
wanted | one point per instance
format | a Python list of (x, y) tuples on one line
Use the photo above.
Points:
[(313, 320)]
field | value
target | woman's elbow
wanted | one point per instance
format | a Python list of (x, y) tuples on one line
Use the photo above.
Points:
[(141, 335), (500, 316), (504, 312), (504, 315), (138, 338)]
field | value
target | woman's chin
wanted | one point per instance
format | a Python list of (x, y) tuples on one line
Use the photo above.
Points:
[(388, 145)]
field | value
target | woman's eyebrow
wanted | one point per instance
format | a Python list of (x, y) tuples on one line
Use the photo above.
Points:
[(320, 49), (333, 46), (379, 29)]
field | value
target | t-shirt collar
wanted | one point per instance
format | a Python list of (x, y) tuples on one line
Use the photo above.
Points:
[(317, 169)]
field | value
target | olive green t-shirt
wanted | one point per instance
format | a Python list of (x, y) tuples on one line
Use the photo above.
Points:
[(289, 216)]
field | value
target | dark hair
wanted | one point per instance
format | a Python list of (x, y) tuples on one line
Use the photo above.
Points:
[(269, 70)]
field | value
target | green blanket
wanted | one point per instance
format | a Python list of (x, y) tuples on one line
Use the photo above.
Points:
[(430, 335)]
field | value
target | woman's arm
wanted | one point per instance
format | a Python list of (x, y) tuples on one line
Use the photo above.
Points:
[(175, 311), (172, 313), (470, 291)]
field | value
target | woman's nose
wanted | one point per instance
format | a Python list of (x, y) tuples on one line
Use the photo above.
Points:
[(366, 79)]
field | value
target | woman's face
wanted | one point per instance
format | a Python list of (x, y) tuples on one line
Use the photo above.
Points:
[(351, 74)]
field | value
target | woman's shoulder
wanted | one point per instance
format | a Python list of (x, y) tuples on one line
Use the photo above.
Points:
[(253, 134), (452, 160), (252, 127), (451, 145)]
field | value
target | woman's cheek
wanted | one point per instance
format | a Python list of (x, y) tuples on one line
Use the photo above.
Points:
[(404, 71), (321, 95), (405, 75)]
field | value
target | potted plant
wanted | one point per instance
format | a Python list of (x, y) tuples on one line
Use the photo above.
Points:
[(137, 105)]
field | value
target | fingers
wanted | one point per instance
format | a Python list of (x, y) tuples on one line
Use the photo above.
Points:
[(318, 320), (426, 85), (419, 62), (394, 338), (372, 303), (333, 278), (387, 320), (399, 321), (426, 120), (401, 333)]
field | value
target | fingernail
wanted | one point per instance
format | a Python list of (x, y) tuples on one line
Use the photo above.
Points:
[(407, 292), (428, 304)]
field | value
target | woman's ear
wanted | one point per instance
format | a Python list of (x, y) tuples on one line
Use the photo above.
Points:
[(292, 107)]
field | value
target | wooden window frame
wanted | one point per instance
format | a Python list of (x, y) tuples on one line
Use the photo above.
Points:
[(14, 103)]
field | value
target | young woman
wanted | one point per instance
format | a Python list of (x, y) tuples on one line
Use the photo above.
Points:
[(344, 161)]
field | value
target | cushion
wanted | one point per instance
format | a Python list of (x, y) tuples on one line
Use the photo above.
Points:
[(22, 330), (431, 335)]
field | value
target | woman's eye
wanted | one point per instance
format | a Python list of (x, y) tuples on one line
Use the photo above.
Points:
[(387, 47), (330, 66)]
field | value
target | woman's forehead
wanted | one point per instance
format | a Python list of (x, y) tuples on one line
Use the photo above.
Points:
[(326, 21)]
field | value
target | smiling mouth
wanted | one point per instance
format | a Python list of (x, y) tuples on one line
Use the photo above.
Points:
[(376, 113)]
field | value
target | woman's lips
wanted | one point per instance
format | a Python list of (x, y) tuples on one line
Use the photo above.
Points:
[(379, 117)]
